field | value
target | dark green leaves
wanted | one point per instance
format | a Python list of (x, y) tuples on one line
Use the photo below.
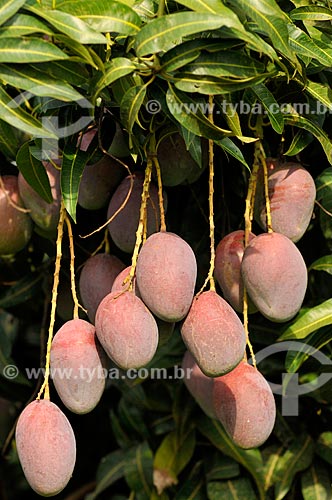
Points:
[(162, 33), (34, 172), (74, 161)]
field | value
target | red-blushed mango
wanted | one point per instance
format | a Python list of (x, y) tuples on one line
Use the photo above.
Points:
[(176, 163), (214, 334), (275, 276), (165, 329), (127, 330), (124, 226), (244, 404), (98, 182), (166, 275), (46, 447), (229, 253), (15, 226), (96, 280), (76, 351), (45, 215), (120, 285), (198, 384), (292, 194)]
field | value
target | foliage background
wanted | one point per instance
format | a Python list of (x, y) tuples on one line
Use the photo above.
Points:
[(118, 56)]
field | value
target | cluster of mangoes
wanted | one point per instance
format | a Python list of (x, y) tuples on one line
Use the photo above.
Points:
[(126, 318)]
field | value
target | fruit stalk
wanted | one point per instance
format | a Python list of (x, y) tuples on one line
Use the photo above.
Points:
[(72, 268), (210, 277), (142, 217), (248, 216), (262, 157), (45, 386)]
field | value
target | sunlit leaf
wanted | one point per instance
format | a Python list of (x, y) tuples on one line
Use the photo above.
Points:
[(73, 163), (313, 319), (297, 458)]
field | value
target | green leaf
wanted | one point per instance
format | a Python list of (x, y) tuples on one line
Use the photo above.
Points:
[(322, 264), (189, 114), (324, 196), (21, 291), (315, 483), (233, 489), (37, 82), (311, 13), (310, 321), (250, 459), (231, 148), (297, 458), (271, 106), (70, 25), (232, 64), (12, 113), (8, 8), (212, 85), (115, 69), (273, 454), (324, 447), (321, 93), (34, 172), (187, 52), (138, 470), (296, 120), (131, 419), (313, 343), (162, 33), (73, 163), (271, 20), (304, 45), (131, 104), (23, 24), (65, 71), (300, 141), (111, 468), (172, 456), (84, 54), (219, 466), (9, 140), (193, 487), (28, 50), (9, 326), (110, 16), (231, 116)]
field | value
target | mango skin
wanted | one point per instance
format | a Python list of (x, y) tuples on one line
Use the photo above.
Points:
[(45, 215), (229, 254), (214, 334), (198, 384), (176, 163), (275, 275), (124, 226), (127, 330), (244, 404), (292, 194), (166, 275), (98, 182), (15, 226), (46, 447), (120, 286), (76, 350), (96, 280)]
